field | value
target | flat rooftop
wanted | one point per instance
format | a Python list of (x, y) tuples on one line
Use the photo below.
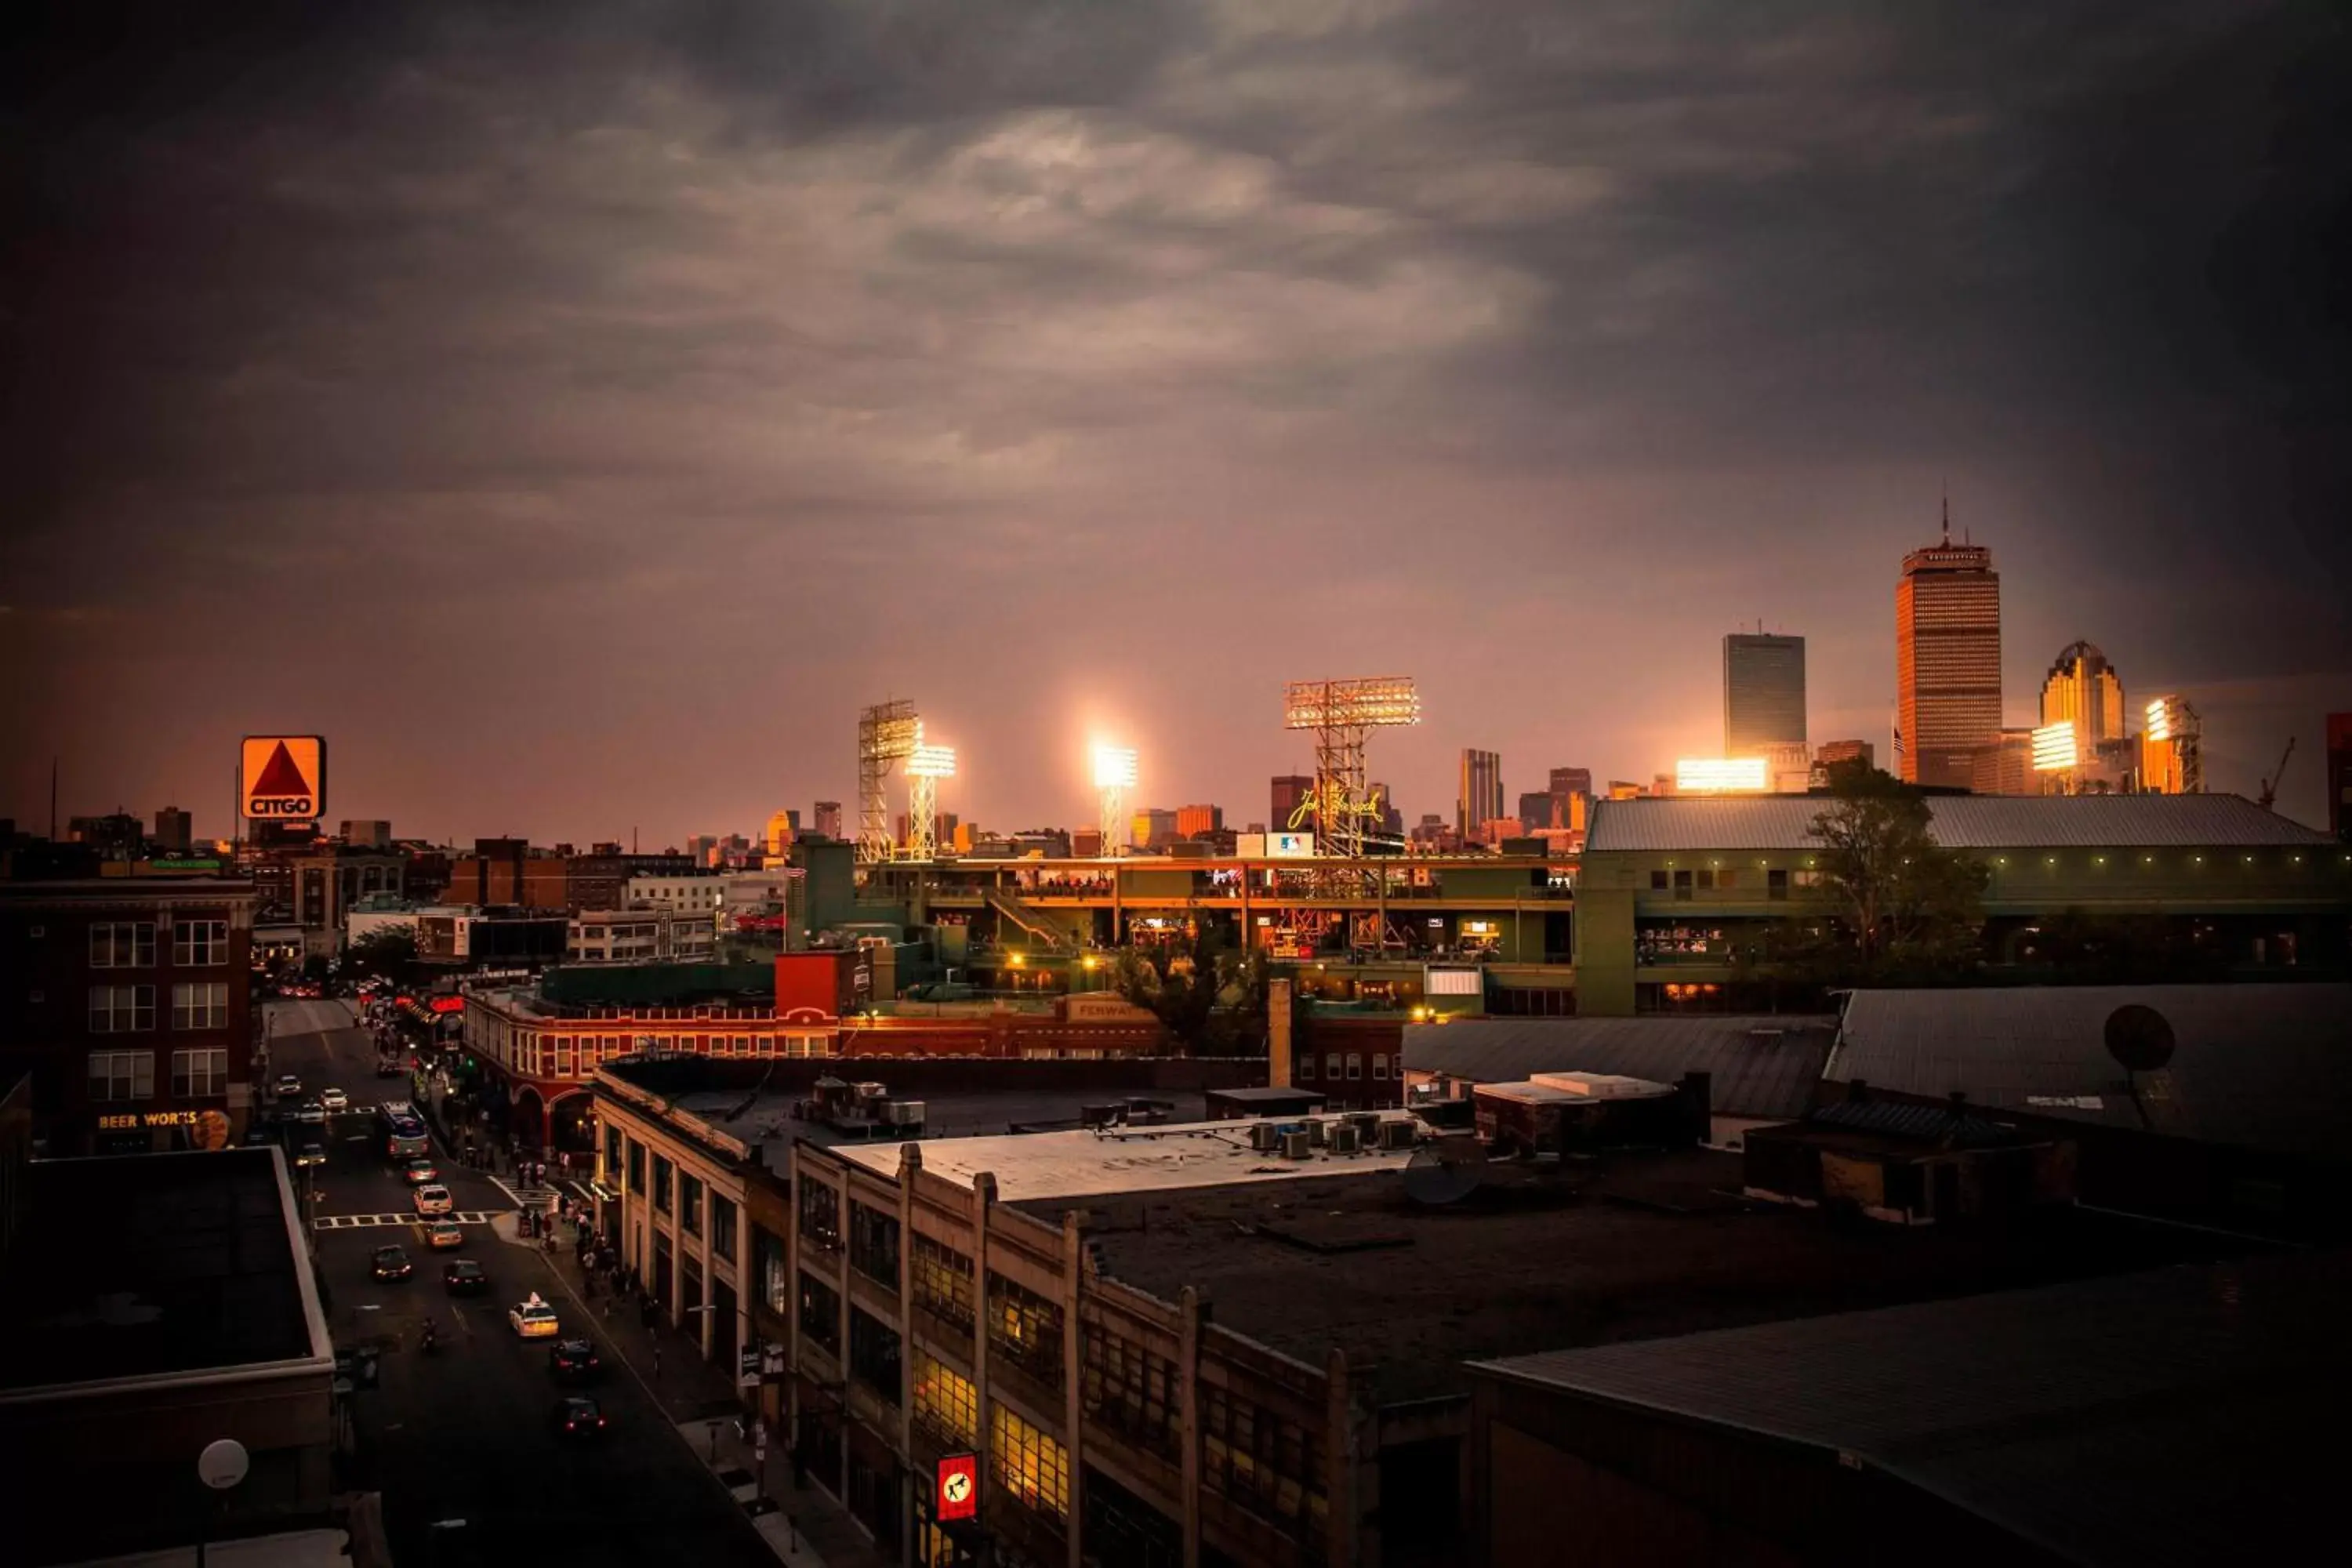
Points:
[(767, 1121), (1055, 1167), (150, 1264), (1647, 1247)]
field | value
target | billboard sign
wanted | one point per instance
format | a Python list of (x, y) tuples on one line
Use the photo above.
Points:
[(282, 778), (1290, 845), (958, 1489)]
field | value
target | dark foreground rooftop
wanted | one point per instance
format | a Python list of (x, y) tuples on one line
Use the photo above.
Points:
[(154, 1264), (2174, 1416), (1654, 1246)]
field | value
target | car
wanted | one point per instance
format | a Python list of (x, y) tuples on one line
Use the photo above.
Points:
[(433, 1199), (419, 1172), (289, 1086), (442, 1234), (387, 1068), (334, 1100), (578, 1416), (312, 1113), (463, 1277), (532, 1319), (311, 1155), (574, 1361), (391, 1263)]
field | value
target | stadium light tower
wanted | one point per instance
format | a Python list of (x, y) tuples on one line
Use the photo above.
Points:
[(887, 733), (1342, 713), (926, 766), (1114, 776)]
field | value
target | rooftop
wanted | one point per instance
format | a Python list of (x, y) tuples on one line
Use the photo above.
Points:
[(2147, 1419), (2260, 1065), (768, 1121), (1117, 1162), (1762, 1066), (1958, 822), (1646, 1247), (150, 1264)]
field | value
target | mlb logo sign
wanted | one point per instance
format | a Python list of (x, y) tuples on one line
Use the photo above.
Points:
[(957, 1495), (282, 778)]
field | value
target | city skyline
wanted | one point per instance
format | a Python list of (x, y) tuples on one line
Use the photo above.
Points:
[(582, 456)]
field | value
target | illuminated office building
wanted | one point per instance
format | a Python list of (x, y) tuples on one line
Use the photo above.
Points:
[(1763, 693), (1946, 660), (2083, 690)]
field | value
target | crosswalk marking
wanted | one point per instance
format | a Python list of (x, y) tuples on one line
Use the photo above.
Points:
[(362, 1221)]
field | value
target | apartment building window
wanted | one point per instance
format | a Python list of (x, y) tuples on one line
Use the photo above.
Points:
[(689, 1203), (1027, 1327), (1272, 1466), (636, 1167), (199, 1074), (199, 944), (1307, 1067), (819, 1216), (1776, 884), (1355, 1065), (942, 1280), (1131, 1391), (775, 1278), (1027, 1464), (661, 1183), (201, 1005), (947, 1406), (820, 1312), (766, 1045), (1683, 885), (1657, 881), (122, 1009), (874, 1243), (121, 1075), (874, 1354), (1707, 881), (1332, 1066), (122, 944), (722, 1226), (613, 1149), (1379, 1067)]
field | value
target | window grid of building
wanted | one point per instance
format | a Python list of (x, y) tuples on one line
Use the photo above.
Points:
[(775, 1276), (1027, 1464), (661, 1183), (1271, 1465), (722, 1226), (942, 1277), (121, 1075), (689, 1203), (122, 944), (874, 1243), (199, 944), (199, 1074), (1027, 1327), (1130, 1390), (819, 1216), (820, 1312), (947, 1406), (122, 1009), (201, 1004), (874, 1351)]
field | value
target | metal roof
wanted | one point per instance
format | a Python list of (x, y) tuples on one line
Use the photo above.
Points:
[(2261, 1066), (2142, 1419), (1752, 1075), (1958, 822)]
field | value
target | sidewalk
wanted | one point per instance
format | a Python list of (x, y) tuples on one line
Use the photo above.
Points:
[(803, 1526)]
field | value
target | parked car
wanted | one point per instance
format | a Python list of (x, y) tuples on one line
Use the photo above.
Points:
[(434, 1200), (391, 1263)]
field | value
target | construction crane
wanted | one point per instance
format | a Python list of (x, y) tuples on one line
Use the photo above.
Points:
[(2269, 785)]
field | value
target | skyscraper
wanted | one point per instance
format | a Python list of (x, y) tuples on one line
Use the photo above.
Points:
[(1481, 798), (2084, 690), (1946, 660), (1289, 789), (1763, 693), (1572, 781), (828, 818), (172, 829)]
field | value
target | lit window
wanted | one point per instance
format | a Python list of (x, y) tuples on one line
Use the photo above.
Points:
[(1027, 1463)]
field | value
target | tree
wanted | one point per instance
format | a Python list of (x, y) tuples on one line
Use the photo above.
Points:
[(1896, 907), (1204, 996), (390, 952)]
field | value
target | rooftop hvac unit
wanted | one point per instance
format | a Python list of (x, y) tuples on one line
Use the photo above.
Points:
[(1367, 1125), (1264, 1137), (872, 1091), (1398, 1134), (1295, 1145), (1316, 1134), (903, 1113), (1344, 1138)]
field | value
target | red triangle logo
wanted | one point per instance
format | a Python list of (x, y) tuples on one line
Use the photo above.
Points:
[(281, 775)]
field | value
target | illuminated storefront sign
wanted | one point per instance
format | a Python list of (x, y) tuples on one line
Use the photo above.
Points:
[(132, 1123), (958, 1494)]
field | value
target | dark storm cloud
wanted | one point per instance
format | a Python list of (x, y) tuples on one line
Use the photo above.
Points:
[(536, 382)]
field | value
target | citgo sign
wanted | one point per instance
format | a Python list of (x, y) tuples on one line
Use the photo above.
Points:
[(282, 778)]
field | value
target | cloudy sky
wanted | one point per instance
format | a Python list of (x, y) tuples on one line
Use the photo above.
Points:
[(578, 412)]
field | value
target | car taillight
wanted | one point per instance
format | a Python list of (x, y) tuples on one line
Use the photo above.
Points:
[(600, 1421)]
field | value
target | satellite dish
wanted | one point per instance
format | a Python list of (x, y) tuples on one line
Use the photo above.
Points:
[(1445, 1172), (223, 1464), (2139, 1038)]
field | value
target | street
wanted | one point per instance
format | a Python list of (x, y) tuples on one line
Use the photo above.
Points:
[(463, 1433)]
